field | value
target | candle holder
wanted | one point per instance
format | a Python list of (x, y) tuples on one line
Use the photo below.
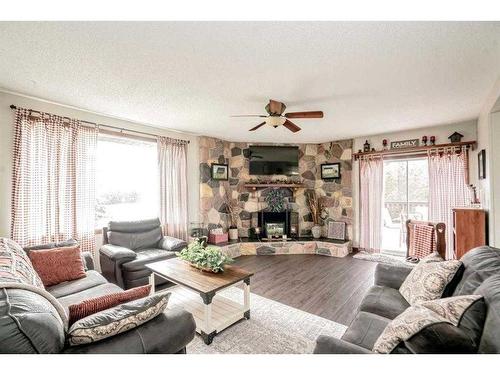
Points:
[(424, 140), (433, 140)]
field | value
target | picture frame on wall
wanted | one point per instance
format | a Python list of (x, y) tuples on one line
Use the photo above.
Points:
[(481, 164), (220, 172), (330, 171)]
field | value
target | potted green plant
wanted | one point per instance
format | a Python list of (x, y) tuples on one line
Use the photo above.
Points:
[(208, 259)]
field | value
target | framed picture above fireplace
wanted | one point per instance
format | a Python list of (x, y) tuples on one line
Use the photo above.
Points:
[(330, 171), (220, 172)]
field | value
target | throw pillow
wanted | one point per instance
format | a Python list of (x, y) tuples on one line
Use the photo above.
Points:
[(57, 265), (93, 305), (416, 318), (428, 280), (116, 320)]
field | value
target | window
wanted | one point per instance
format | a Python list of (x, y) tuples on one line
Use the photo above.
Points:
[(126, 179), (406, 196)]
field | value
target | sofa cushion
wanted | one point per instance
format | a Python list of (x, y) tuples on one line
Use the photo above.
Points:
[(91, 279), (427, 281), (116, 320), (416, 318), (147, 256), (479, 264), (96, 291), (365, 329), (172, 243), (135, 240), (57, 265), (490, 339), (384, 301), (29, 323), (177, 329), (93, 305), (134, 226)]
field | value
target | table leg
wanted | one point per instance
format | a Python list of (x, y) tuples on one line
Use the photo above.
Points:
[(246, 297), (208, 337), (152, 283)]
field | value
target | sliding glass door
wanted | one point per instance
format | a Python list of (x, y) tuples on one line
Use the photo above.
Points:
[(406, 196)]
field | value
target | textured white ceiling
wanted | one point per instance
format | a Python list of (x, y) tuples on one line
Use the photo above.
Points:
[(367, 77)]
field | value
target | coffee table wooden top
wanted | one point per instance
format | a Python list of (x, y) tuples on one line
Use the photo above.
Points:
[(180, 272)]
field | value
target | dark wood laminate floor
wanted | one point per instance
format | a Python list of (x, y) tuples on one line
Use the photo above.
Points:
[(325, 286)]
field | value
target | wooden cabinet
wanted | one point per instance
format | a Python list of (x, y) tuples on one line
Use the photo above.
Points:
[(469, 229)]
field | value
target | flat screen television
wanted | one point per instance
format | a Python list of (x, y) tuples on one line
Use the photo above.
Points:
[(269, 160)]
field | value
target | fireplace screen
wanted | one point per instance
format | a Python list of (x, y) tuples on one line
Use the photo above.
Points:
[(275, 229)]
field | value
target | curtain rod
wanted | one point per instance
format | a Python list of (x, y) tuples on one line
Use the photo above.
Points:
[(12, 106)]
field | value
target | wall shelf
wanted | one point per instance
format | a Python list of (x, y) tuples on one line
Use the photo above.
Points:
[(414, 149)]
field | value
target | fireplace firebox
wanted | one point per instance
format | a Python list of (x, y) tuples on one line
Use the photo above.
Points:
[(275, 224)]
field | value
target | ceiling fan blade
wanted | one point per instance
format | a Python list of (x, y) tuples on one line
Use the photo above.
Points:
[(274, 107), (248, 116), (291, 126), (311, 114), (258, 126)]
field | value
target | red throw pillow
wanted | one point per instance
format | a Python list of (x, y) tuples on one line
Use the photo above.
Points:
[(91, 306), (57, 265)]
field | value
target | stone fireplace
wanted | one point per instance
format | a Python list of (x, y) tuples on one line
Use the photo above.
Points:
[(336, 194)]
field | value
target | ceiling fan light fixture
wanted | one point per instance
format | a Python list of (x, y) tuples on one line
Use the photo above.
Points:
[(275, 121)]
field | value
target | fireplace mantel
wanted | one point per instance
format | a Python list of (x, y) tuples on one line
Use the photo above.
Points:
[(277, 186)]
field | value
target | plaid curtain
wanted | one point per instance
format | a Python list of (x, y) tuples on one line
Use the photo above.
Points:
[(371, 189), (53, 187), (448, 188), (172, 162)]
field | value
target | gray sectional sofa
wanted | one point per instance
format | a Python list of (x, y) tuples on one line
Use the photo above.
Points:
[(28, 323), (480, 274)]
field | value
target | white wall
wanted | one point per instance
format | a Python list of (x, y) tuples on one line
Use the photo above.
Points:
[(486, 132), (6, 139), (467, 128)]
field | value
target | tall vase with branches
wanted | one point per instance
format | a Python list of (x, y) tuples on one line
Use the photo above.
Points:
[(317, 210), (233, 211)]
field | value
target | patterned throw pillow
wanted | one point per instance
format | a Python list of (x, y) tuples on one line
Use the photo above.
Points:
[(428, 280), (116, 320), (15, 266), (93, 305), (416, 318), (57, 265)]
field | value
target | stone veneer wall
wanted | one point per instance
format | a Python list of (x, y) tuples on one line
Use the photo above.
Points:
[(336, 195)]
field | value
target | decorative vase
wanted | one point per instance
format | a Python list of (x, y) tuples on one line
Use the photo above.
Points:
[(316, 231), (233, 233)]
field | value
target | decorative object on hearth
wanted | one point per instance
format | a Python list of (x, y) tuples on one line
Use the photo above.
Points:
[(384, 144), (407, 143), (233, 210), (275, 200), (481, 164), (275, 116), (215, 237), (433, 140), (316, 208), (424, 140), (208, 259), (220, 172), (197, 229), (366, 146), (330, 171), (336, 230), (455, 137)]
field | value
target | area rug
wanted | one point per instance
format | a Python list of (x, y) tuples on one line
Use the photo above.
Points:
[(273, 328), (383, 258)]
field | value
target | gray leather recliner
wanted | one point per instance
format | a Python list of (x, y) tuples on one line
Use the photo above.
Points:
[(129, 245)]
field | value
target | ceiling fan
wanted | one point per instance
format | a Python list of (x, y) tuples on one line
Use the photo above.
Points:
[(276, 117)]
